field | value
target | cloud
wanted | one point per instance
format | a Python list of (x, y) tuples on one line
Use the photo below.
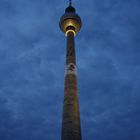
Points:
[(32, 59)]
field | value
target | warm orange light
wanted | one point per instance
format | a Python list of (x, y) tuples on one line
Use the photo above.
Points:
[(66, 33), (70, 22)]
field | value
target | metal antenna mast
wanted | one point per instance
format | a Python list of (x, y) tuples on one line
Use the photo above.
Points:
[(70, 2)]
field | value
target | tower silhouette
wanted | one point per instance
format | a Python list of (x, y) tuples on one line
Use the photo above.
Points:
[(70, 24)]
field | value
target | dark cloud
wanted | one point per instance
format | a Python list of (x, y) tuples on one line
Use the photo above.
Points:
[(32, 58)]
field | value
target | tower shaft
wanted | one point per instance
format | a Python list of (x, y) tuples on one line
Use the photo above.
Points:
[(71, 129)]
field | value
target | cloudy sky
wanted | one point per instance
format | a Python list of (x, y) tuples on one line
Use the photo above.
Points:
[(32, 60)]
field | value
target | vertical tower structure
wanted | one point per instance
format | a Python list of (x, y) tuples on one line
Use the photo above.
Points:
[(70, 24)]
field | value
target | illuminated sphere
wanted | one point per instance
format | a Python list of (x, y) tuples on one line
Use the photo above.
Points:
[(70, 20)]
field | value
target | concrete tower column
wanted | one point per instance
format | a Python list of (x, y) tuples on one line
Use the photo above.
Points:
[(70, 53), (71, 129)]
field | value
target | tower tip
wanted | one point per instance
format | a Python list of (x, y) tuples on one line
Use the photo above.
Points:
[(70, 2)]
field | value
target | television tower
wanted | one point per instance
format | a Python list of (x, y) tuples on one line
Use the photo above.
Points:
[(70, 24)]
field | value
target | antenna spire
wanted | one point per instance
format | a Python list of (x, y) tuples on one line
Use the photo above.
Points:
[(70, 2)]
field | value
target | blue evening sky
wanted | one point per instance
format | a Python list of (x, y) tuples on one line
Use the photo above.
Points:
[(32, 61)]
